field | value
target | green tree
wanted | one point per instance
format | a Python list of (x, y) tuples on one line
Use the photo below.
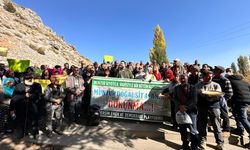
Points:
[(243, 65), (158, 52), (233, 67)]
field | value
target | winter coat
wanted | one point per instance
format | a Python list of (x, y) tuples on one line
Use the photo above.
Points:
[(241, 89)]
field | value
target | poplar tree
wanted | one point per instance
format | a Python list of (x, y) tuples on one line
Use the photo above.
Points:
[(233, 67), (243, 65), (158, 52)]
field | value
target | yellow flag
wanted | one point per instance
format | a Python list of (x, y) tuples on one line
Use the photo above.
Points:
[(60, 78), (44, 83), (108, 58)]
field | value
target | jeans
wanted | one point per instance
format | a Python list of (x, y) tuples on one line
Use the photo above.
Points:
[(54, 112), (224, 115), (193, 132), (240, 114), (173, 120), (75, 107), (214, 115)]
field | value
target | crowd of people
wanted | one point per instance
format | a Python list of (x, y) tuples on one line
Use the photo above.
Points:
[(27, 104)]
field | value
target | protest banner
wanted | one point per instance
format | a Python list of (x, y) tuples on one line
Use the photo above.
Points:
[(130, 99), (17, 65), (108, 58)]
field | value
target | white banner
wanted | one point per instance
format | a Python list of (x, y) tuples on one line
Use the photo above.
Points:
[(130, 99)]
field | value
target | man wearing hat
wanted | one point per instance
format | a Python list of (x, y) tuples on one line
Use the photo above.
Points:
[(226, 87), (208, 105)]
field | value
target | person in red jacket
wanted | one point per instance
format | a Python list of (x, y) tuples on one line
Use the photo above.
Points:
[(157, 73), (169, 75)]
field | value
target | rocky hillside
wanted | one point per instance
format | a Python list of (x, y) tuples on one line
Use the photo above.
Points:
[(26, 37)]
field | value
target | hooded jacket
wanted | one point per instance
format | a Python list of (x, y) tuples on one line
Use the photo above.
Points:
[(241, 89)]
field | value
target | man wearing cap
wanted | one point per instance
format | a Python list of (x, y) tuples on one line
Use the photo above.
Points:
[(208, 105), (227, 89)]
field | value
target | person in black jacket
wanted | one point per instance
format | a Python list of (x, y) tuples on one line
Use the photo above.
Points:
[(240, 101), (25, 105)]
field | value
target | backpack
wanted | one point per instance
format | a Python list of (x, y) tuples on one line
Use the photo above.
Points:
[(93, 115)]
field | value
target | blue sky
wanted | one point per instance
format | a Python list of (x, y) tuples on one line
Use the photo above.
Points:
[(212, 31)]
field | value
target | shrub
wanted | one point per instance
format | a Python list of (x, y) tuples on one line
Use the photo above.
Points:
[(9, 7), (41, 51)]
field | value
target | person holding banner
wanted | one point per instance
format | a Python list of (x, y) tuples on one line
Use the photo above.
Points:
[(54, 95), (140, 74), (157, 73), (185, 98), (75, 88), (114, 69), (124, 72), (150, 75), (90, 72)]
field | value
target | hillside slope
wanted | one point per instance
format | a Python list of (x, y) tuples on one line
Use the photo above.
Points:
[(26, 37)]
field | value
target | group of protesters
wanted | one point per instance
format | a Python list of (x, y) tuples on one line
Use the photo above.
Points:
[(30, 108), (188, 89)]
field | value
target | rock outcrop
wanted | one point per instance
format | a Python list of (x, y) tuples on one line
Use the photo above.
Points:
[(25, 36)]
